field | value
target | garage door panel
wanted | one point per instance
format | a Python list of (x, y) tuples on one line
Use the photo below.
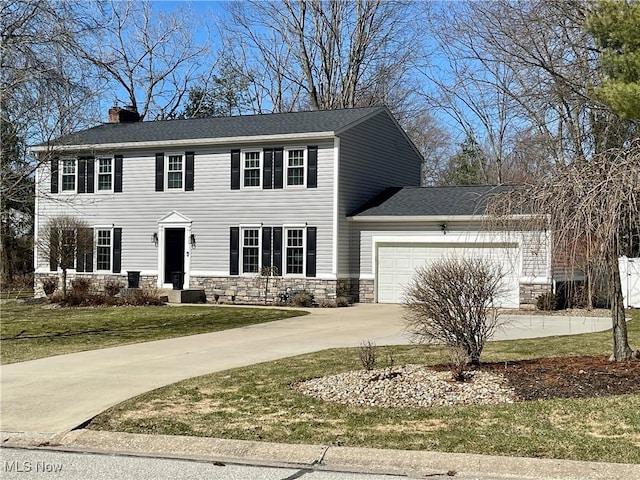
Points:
[(397, 265)]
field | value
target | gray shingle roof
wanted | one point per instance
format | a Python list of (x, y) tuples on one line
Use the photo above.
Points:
[(219, 127), (430, 201)]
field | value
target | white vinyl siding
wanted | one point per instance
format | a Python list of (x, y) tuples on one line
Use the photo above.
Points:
[(212, 208)]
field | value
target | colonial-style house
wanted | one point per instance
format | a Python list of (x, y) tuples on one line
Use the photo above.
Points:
[(213, 201)]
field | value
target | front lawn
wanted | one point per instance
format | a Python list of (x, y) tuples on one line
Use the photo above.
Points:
[(30, 332), (258, 403)]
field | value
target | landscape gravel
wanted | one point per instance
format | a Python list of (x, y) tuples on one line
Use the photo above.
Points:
[(409, 386)]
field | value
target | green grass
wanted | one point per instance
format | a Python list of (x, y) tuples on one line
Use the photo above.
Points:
[(257, 403), (30, 332)]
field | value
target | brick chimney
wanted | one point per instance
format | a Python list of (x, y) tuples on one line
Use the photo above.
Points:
[(123, 115)]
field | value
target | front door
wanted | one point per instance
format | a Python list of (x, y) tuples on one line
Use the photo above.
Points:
[(173, 253)]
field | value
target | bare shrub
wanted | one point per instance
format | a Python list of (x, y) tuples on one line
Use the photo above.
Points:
[(327, 303), (302, 298), (141, 297), (112, 287), (367, 355), (452, 301), (547, 301), (458, 360), (49, 285), (342, 302)]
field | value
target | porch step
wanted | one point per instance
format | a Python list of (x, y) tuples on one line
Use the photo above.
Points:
[(191, 295)]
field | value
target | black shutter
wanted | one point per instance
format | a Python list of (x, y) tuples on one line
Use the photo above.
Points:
[(235, 169), (277, 249), (189, 171), (54, 249), (311, 251), (117, 179), (159, 172), (117, 250), (267, 169), (277, 168), (82, 174), (234, 251), (90, 175), (312, 167), (266, 247), (84, 258), (54, 176)]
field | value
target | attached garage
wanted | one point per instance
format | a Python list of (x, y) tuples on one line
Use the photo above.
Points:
[(405, 228), (397, 264)]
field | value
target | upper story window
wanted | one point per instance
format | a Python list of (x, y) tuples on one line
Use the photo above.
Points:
[(175, 172), (68, 175), (250, 250), (251, 165), (295, 251), (295, 167), (105, 174), (103, 250)]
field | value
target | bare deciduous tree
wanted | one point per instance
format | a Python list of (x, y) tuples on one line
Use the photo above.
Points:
[(453, 301), (65, 240), (148, 60), (592, 208), (324, 54)]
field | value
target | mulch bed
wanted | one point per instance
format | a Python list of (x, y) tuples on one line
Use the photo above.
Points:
[(569, 377)]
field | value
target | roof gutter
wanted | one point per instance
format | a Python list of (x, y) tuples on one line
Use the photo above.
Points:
[(189, 142), (434, 218)]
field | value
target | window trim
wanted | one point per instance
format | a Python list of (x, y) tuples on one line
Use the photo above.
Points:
[(286, 167), (183, 170), (112, 174), (103, 228), (259, 168), (243, 228), (62, 175), (285, 247)]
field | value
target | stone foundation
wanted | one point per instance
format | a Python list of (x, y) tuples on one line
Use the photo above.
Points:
[(529, 292), (366, 291)]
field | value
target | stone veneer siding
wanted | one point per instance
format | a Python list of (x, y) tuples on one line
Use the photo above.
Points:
[(98, 280), (529, 292)]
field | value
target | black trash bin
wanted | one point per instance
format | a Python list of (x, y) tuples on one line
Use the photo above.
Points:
[(177, 278), (133, 279)]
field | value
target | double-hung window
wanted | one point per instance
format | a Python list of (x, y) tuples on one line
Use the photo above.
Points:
[(105, 174), (250, 250), (295, 167), (104, 250), (251, 165), (68, 175), (294, 251), (175, 172)]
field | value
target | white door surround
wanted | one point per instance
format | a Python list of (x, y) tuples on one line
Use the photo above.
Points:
[(174, 220)]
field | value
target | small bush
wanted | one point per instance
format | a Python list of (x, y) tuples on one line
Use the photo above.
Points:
[(302, 298), (326, 303), (547, 301), (81, 286), (458, 360), (367, 355), (112, 287), (142, 297), (49, 285), (342, 302)]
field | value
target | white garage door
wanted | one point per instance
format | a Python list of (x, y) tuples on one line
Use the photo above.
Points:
[(397, 264)]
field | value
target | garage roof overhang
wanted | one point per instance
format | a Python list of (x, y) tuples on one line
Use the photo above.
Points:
[(437, 218)]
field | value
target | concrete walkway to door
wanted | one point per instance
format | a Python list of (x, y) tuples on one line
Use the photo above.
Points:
[(56, 394)]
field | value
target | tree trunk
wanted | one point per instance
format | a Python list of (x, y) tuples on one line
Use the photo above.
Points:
[(64, 283), (621, 349)]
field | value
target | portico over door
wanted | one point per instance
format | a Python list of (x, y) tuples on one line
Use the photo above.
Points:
[(174, 252)]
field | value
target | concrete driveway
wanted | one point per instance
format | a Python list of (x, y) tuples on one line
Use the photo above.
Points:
[(56, 394)]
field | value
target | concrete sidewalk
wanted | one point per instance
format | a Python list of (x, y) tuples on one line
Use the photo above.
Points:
[(55, 394), (413, 464)]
